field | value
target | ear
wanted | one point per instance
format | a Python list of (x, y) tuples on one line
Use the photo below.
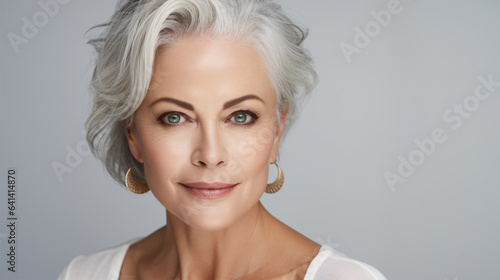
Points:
[(279, 132), (133, 144)]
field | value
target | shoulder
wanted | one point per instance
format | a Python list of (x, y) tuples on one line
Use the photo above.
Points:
[(332, 264), (104, 264)]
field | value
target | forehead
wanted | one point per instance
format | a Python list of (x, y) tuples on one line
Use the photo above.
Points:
[(198, 66)]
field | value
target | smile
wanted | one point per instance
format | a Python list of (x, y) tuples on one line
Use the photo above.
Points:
[(208, 190)]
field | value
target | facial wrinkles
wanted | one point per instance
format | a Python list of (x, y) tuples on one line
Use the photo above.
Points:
[(169, 152)]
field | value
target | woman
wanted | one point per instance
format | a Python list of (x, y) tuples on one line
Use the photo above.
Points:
[(191, 100)]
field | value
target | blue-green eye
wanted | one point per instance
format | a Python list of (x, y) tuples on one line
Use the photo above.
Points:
[(242, 118), (173, 118)]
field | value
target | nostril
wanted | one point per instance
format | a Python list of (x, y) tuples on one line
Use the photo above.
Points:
[(209, 154)]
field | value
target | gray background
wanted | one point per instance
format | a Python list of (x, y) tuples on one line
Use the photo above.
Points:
[(441, 223)]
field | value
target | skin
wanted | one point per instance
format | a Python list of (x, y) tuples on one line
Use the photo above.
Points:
[(210, 115)]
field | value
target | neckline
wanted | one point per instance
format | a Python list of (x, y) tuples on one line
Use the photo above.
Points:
[(323, 253), (122, 251)]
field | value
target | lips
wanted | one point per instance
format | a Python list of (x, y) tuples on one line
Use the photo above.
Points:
[(205, 185), (208, 190)]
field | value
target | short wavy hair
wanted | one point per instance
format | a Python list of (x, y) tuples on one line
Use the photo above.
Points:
[(126, 51)]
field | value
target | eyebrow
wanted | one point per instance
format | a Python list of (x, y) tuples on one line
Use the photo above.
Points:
[(182, 104), (188, 106), (235, 101)]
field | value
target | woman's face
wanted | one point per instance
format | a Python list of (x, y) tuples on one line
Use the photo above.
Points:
[(209, 116)]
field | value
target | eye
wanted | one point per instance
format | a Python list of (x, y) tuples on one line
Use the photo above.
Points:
[(172, 118), (243, 117)]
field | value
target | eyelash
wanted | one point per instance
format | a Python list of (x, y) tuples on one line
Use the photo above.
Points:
[(254, 115)]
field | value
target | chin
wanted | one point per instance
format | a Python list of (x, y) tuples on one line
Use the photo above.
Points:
[(207, 222), (211, 214)]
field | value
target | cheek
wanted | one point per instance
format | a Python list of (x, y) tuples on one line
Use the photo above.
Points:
[(253, 145), (250, 154), (165, 161), (164, 157)]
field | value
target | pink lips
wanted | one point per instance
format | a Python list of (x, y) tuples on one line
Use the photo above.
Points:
[(209, 190)]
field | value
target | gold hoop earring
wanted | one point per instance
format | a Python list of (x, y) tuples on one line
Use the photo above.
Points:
[(133, 185), (278, 183)]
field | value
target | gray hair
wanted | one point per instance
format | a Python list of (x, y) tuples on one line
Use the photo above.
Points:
[(126, 51)]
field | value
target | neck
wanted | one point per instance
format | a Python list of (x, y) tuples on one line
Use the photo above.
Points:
[(229, 253)]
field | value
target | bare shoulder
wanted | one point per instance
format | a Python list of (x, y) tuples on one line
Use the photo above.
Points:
[(137, 253), (296, 250), (312, 261)]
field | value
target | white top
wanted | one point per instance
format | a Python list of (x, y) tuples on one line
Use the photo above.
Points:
[(328, 264)]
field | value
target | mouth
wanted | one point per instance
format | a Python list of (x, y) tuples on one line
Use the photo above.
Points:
[(208, 190), (205, 185)]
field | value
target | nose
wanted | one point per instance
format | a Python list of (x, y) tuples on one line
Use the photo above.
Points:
[(210, 150)]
